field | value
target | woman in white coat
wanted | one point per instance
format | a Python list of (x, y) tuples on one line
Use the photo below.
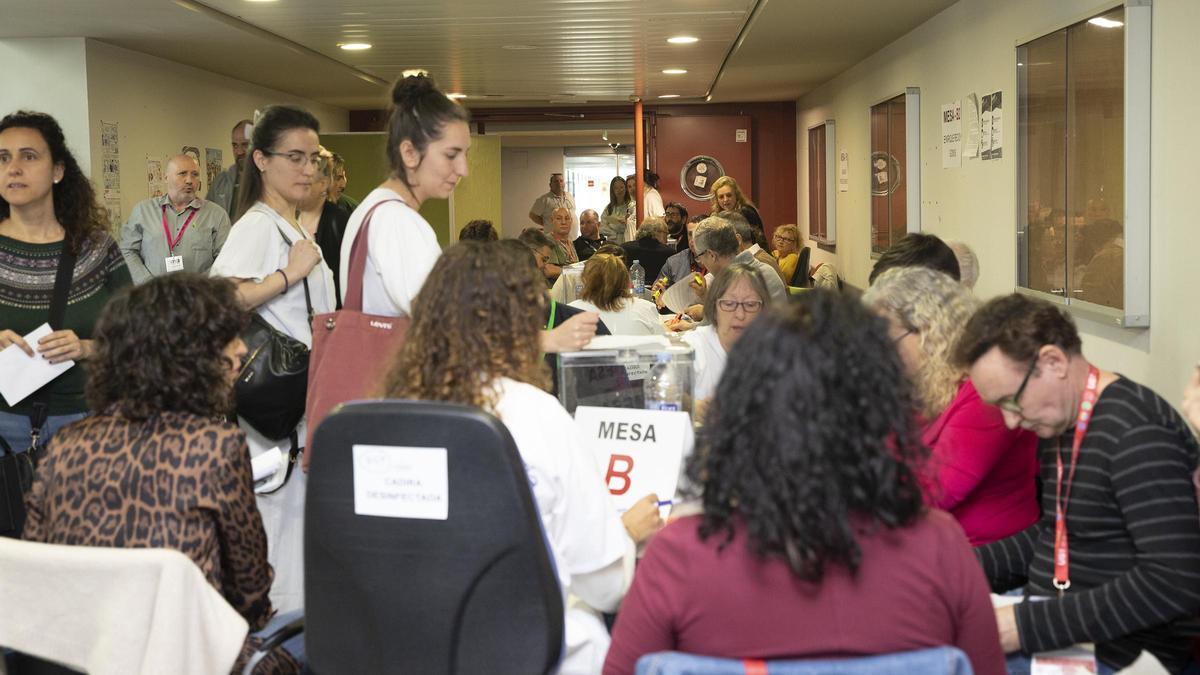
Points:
[(275, 264), (474, 340)]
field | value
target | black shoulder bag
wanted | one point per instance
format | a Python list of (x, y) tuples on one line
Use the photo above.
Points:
[(16, 468), (273, 382)]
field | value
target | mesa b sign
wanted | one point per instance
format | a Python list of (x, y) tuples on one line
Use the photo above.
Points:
[(636, 451)]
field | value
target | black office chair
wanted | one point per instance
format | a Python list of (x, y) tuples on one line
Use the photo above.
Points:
[(800, 276), (475, 593)]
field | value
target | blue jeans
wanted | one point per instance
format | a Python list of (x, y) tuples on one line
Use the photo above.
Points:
[(15, 429), (1019, 664)]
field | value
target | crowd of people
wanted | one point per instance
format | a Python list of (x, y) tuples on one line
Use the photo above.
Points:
[(871, 465)]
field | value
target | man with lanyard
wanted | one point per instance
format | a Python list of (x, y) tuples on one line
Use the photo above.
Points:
[(1113, 559), (557, 198), (224, 190), (177, 231)]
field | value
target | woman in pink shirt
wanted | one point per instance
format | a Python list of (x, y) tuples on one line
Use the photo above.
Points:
[(980, 471)]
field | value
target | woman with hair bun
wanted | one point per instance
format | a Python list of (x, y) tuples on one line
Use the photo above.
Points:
[(48, 211), (428, 139)]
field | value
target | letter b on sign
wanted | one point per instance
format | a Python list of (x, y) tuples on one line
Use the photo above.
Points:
[(620, 474)]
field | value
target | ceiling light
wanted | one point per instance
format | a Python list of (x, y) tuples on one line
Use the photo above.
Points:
[(683, 40), (1105, 23), (674, 71), (354, 46), (669, 96), (456, 96)]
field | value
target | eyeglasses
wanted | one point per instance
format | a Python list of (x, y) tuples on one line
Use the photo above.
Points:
[(700, 253), (1012, 403), (896, 340), (296, 157), (750, 306), (783, 238)]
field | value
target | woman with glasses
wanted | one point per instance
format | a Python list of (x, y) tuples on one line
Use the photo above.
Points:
[(278, 271), (980, 471), (606, 291), (735, 299), (787, 249)]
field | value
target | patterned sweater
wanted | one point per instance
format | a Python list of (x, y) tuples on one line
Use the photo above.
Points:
[(1133, 532), (27, 274)]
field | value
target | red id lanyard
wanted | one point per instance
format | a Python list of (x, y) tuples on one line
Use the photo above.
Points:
[(171, 244), (1062, 579)]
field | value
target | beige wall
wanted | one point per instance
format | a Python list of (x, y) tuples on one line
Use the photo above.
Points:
[(161, 106), (525, 176), (48, 75), (971, 47)]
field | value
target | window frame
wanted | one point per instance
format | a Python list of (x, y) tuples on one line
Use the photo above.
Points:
[(830, 186), (912, 158), (1137, 156)]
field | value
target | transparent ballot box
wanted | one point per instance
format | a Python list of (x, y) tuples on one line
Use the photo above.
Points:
[(614, 371)]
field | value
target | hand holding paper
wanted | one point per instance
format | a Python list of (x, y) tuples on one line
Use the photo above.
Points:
[(22, 374)]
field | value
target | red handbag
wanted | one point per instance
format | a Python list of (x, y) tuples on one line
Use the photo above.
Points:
[(351, 350)]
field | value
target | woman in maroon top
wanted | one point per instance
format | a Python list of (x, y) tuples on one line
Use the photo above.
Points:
[(981, 471), (814, 541)]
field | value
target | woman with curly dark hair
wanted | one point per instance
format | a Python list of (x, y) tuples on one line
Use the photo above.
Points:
[(814, 541), (162, 424), (48, 210), (474, 340)]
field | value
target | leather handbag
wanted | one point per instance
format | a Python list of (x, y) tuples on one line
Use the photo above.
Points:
[(17, 468), (351, 349), (271, 385)]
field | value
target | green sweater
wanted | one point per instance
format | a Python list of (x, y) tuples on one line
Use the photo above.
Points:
[(26, 285)]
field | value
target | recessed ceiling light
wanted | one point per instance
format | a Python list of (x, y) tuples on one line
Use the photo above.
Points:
[(354, 46), (669, 96), (518, 48), (1105, 23), (674, 71), (414, 72), (456, 95), (683, 40)]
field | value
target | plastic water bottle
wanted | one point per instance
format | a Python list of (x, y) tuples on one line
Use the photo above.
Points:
[(637, 275), (662, 388)]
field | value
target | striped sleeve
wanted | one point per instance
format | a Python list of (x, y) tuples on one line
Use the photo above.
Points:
[(1150, 478), (1006, 562)]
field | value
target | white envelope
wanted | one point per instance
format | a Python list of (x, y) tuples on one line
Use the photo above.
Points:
[(22, 374)]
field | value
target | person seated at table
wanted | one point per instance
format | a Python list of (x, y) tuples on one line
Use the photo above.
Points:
[(650, 248), (982, 472), (918, 250), (542, 247), (814, 541), (735, 299), (788, 243), (606, 290), (159, 465), (478, 230), (474, 341)]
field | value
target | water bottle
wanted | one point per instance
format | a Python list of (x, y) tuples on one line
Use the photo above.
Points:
[(637, 275), (662, 387)]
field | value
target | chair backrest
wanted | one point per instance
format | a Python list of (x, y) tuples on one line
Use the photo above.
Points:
[(932, 661), (115, 610), (473, 592), (800, 275)]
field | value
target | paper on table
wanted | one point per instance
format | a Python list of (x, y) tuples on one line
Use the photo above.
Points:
[(610, 342), (680, 296), (266, 464), (21, 374)]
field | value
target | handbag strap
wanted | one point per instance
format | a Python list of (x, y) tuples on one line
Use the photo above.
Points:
[(307, 295), (358, 260), (40, 408)]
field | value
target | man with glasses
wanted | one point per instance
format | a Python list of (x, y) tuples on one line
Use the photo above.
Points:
[(176, 231), (223, 191), (718, 246), (1113, 559)]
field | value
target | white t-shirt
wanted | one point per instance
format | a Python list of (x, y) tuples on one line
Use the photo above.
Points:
[(654, 204), (636, 317), (402, 249), (255, 249), (709, 361), (592, 552)]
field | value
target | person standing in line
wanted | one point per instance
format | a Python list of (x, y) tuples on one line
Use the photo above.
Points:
[(543, 207), (48, 210), (224, 190), (177, 231), (654, 201), (278, 271), (337, 189), (616, 214)]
